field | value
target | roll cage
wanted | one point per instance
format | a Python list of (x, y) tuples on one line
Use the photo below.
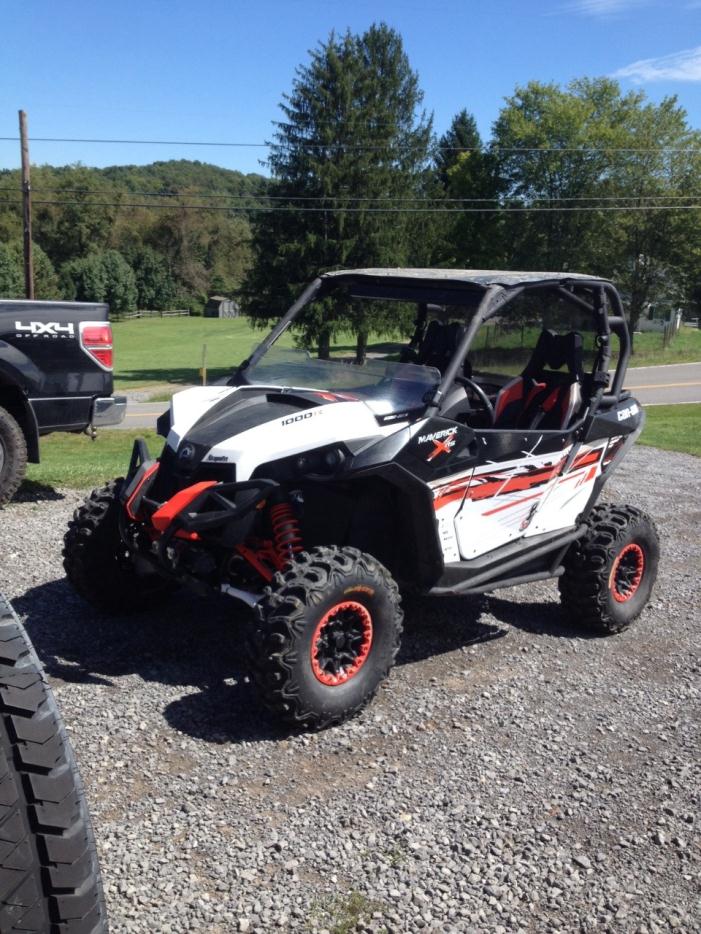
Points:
[(489, 293)]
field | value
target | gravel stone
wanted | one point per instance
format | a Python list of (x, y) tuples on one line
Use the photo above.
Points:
[(514, 775)]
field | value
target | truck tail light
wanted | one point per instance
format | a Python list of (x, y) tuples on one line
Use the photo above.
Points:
[(96, 341)]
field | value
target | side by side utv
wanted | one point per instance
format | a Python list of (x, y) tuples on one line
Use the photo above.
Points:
[(467, 459)]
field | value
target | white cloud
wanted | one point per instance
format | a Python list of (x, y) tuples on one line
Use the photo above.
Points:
[(603, 8), (680, 66)]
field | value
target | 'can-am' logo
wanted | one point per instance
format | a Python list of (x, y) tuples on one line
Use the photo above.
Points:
[(443, 441), (628, 412), (52, 329)]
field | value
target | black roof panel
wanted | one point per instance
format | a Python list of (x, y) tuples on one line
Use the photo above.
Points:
[(457, 278)]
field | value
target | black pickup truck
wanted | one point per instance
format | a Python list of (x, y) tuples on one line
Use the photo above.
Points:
[(55, 375)]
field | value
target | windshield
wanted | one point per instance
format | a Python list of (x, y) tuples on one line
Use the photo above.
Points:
[(386, 386)]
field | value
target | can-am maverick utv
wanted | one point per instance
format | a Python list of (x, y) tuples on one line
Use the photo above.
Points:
[(305, 487)]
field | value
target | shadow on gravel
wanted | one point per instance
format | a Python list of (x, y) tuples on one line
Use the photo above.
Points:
[(225, 713), (438, 625), (541, 619), (187, 642), (32, 491), (194, 643)]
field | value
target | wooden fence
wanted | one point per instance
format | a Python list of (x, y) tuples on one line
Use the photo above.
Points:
[(128, 315)]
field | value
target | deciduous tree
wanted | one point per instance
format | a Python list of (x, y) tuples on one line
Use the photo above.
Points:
[(102, 277)]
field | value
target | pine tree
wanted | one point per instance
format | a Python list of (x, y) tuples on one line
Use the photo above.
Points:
[(353, 140), (461, 136), (469, 179)]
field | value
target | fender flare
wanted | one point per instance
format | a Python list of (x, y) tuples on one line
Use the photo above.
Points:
[(417, 520), (14, 399)]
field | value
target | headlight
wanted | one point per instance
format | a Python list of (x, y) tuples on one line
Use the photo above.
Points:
[(333, 458), (319, 462)]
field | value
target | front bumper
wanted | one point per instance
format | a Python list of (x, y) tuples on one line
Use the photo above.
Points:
[(109, 410)]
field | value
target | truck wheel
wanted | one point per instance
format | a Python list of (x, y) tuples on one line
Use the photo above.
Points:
[(49, 872), (326, 636), (13, 456), (610, 572), (98, 564)]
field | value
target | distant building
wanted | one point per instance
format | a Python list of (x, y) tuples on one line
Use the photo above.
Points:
[(220, 307)]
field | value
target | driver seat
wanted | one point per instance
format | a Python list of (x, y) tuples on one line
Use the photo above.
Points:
[(436, 348), (542, 398), (438, 345)]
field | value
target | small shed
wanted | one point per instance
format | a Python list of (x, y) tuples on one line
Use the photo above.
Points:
[(218, 306)]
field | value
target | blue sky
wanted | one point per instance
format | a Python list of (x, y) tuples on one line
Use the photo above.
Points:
[(216, 70)]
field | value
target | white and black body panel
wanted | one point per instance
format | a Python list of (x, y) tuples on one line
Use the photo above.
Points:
[(437, 501), (255, 425), (498, 492)]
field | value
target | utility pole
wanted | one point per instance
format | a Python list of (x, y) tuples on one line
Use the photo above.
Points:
[(26, 208)]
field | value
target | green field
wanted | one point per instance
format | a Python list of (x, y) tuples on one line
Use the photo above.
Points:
[(673, 427), (74, 461), (151, 351), (509, 350), (684, 348), (159, 351)]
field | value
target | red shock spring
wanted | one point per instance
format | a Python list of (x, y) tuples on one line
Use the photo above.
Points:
[(287, 537)]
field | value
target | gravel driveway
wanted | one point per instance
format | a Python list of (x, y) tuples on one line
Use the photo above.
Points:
[(512, 776)]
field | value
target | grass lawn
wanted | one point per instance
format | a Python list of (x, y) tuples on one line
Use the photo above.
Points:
[(508, 351), (155, 351), (149, 351), (74, 461), (684, 348), (674, 428)]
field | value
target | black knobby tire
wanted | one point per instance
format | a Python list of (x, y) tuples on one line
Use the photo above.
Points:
[(13, 456), (610, 572), (321, 590), (96, 561), (49, 872)]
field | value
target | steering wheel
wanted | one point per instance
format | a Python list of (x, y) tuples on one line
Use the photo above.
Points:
[(480, 393)]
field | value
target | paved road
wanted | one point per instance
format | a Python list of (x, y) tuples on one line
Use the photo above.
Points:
[(659, 385), (142, 414), (651, 385)]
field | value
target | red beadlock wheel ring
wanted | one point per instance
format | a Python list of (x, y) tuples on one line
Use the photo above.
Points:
[(627, 572), (341, 643)]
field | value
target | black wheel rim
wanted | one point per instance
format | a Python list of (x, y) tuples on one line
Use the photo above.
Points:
[(341, 643), (627, 572)]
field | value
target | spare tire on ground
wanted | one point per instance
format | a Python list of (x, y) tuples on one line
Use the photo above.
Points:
[(49, 872)]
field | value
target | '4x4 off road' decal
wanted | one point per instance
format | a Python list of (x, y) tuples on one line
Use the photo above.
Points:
[(52, 329)]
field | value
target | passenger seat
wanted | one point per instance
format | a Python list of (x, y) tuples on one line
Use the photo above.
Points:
[(543, 398)]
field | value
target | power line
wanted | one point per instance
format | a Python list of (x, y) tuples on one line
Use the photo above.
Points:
[(358, 147), (134, 142), (371, 210), (418, 199)]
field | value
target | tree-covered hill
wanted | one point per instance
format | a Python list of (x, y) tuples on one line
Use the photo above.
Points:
[(183, 175), (153, 236)]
